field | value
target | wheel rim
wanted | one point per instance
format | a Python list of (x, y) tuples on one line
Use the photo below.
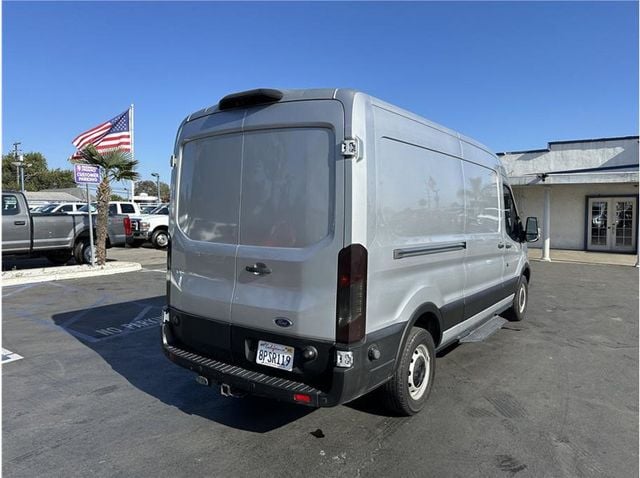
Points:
[(162, 240), (87, 254), (522, 298), (419, 371)]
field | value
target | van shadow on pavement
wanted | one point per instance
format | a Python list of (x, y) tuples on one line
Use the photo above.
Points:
[(135, 353)]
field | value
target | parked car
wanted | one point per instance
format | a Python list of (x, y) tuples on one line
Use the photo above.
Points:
[(333, 246), (147, 208), (66, 207), (130, 209), (152, 227), (57, 237)]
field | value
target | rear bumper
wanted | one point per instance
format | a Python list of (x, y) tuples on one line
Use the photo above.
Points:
[(345, 384)]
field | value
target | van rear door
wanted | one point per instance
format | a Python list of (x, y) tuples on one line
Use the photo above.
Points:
[(291, 220)]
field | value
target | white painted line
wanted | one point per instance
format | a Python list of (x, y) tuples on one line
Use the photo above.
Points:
[(153, 270), (8, 356), (66, 272)]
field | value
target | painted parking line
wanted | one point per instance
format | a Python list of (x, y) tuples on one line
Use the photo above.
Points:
[(8, 356)]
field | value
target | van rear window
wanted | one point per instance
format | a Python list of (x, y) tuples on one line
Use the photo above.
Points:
[(270, 188)]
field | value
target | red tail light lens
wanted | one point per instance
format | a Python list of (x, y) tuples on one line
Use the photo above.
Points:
[(127, 226), (351, 308), (301, 397)]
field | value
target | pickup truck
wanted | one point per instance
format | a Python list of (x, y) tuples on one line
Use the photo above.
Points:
[(57, 237), (152, 227)]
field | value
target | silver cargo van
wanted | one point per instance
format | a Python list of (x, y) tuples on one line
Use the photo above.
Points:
[(325, 244)]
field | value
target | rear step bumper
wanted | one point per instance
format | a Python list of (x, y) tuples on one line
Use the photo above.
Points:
[(346, 383), (246, 380)]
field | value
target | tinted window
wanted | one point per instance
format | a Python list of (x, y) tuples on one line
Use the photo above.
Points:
[(287, 187), (10, 205), (481, 198), (113, 209), (127, 208), (164, 211), (66, 208), (49, 208), (511, 220), (209, 189), (421, 191)]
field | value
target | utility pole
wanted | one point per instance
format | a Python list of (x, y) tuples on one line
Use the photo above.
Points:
[(19, 164)]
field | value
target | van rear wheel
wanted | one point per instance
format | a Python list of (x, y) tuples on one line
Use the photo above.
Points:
[(407, 391)]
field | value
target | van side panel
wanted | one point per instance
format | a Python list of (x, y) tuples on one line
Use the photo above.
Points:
[(417, 251)]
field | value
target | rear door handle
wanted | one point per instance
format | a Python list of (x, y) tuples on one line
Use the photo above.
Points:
[(258, 269), (500, 245), (19, 223)]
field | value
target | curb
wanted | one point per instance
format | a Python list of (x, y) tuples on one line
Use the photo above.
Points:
[(47, 274), (587, 263)]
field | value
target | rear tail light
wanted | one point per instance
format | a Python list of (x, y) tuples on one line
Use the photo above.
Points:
[(127, 226), (302, 397), (351, 309)]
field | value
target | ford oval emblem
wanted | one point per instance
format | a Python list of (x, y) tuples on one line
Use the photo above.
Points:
[(283, 322)]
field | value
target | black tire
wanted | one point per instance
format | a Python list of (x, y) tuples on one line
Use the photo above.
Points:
[(136, 243), (59, 258), (416, 365), (160, 238), (80, 251), (518, 309)]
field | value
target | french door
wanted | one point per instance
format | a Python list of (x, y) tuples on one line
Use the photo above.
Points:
[(612, 224)]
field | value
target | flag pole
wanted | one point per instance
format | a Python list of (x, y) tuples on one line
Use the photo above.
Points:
[(133, 156)]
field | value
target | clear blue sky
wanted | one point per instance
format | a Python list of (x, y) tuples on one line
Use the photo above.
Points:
[(511, 75)]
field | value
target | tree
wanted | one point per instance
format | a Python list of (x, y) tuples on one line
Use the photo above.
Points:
[(116, 165), (116, 197), (149, 187), (37, 175)]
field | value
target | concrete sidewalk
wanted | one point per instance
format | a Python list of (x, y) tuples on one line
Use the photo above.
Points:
[(586, 257)]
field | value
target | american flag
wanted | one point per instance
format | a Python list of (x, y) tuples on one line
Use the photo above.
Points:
[(112, 134)]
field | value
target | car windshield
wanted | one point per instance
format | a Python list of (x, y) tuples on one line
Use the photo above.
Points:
[(85, 208), (161, 209), (49, 208)]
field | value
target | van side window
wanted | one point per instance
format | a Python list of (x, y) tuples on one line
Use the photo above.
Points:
[(481, 199), (511, 220), (113, 209), (128, 209), (66, 208), (10, 205)]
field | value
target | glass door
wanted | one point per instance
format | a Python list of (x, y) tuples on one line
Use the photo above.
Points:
[(623, 227), (612, 224)]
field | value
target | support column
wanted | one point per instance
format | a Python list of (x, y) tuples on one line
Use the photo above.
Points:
[(546, 225)]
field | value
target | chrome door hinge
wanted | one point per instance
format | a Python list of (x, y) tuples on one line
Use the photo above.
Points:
[(351, 148)]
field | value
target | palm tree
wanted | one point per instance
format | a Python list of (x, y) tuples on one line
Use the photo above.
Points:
[(116, 165)]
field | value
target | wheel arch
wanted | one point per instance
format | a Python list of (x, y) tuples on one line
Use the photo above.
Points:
[(428, 317)]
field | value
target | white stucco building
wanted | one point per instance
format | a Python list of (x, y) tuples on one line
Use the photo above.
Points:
[(587, 188)]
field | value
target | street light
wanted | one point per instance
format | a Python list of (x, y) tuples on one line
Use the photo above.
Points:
[(157, 176)]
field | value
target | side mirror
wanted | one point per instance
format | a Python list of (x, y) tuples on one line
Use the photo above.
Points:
[(531, 233)]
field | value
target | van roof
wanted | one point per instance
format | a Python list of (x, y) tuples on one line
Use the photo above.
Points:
[(346, 96)]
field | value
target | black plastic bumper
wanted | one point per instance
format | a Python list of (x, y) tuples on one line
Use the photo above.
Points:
[(345, 385)]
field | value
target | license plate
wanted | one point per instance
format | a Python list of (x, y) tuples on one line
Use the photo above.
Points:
[(275, 355)]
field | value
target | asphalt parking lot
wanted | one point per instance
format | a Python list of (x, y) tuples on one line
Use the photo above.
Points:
[(556, 395)]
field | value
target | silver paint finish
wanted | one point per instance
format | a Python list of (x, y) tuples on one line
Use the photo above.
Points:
[(414, 188)]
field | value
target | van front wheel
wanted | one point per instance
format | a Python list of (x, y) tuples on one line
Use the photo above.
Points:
[(518, 310), (408, 389)]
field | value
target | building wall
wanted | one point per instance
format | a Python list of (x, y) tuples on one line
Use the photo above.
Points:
[(568, 203)]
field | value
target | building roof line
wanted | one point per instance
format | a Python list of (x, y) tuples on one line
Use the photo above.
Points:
[(573, 141)]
